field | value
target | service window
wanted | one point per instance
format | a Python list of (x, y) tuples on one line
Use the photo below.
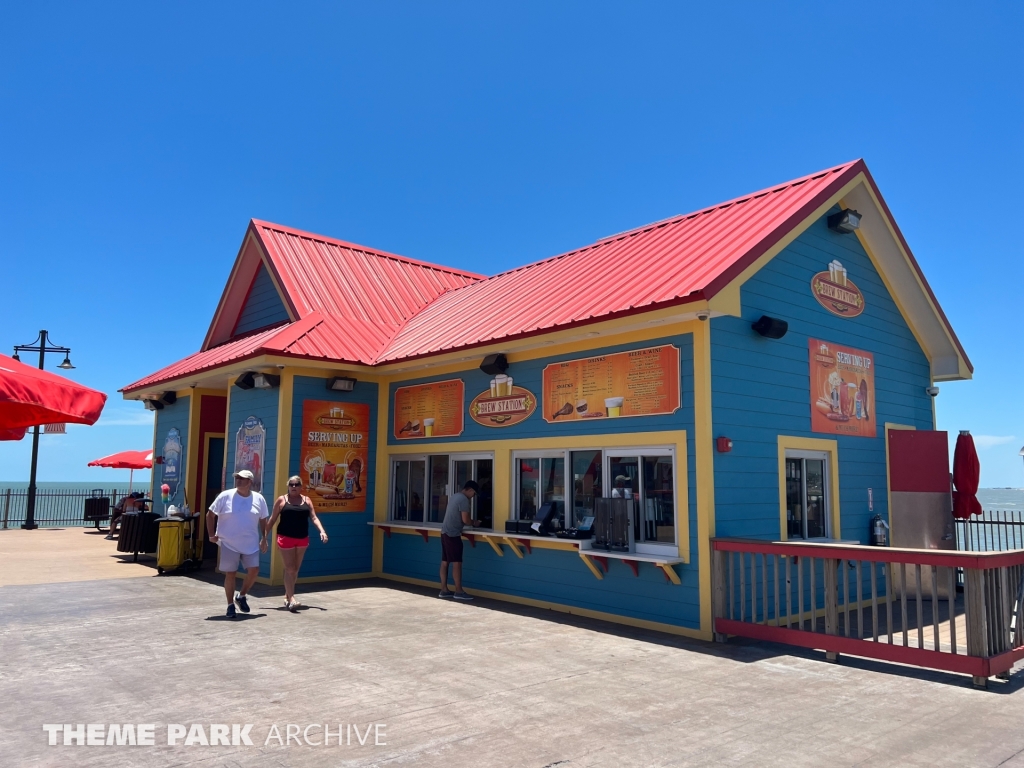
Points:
[(648, 479), (422, 485), (540, 479), (807, 483)]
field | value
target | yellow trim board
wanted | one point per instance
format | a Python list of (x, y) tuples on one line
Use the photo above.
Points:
[(280, 487), (613, 618), (831, 447), (705, 464)]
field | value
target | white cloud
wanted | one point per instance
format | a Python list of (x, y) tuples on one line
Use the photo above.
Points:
[(990, 441)]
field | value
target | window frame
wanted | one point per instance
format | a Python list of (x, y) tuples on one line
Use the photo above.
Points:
[(620, 451), (425, 457), (790, 446)]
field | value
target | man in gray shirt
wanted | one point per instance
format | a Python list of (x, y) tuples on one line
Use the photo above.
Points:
[(455, 516)]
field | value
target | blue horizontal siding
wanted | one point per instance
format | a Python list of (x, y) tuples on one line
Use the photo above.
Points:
[(556, 576), (263, 404), (349, 547), (170, 417), (263, 307), (761, 387)]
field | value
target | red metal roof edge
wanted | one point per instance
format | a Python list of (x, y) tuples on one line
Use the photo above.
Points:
[(693, 214), (364, 249), (917, 267)]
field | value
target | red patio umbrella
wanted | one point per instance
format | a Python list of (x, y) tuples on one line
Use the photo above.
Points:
[(29, 396), (13, 434), (126, 460), (966, 476)]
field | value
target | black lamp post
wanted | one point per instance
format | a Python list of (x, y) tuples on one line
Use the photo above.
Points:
[(40, 346)]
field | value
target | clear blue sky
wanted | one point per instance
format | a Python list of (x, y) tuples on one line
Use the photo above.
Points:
[(136, 141)]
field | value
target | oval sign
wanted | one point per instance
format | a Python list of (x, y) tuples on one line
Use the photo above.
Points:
[(502, 410), (836, 292)]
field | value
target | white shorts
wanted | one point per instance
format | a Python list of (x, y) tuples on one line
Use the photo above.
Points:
[(228, 560)]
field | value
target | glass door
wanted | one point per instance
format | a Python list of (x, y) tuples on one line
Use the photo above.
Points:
[(807, 513)]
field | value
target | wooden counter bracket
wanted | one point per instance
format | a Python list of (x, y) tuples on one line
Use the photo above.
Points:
[(633, 566), (424, 533), (602, 560), (514, 546), (526, 543), (590, 564), (471, 537), (387, 530), (494, 545), (670, 573)]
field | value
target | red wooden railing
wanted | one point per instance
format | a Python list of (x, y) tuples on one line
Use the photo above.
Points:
[(900, 605)]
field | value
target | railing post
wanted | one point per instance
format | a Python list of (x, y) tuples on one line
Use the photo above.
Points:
[(719, 578), (7, 506), (977, 624), (830, 566)]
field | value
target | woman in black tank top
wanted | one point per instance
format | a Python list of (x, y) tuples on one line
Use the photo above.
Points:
[(295, 512)]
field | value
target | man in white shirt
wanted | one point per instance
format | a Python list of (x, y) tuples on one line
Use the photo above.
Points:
[(237, 521)]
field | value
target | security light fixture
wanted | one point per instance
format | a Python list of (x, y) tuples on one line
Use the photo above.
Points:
[(266, 381), (844, 222), (770, 327), (341, 384), (494, 364)]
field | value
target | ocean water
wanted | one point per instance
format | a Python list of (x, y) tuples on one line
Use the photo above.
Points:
[(1001, 498)]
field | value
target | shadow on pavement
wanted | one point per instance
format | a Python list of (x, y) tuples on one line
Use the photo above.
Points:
[(239, 617)]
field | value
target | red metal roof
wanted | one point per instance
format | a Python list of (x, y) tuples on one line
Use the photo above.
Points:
[(681, 259), (360, 305), (351, 281)]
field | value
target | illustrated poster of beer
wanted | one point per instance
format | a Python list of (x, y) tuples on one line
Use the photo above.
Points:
[(641, 382), (334, 456), (842, 390), (430, 410)]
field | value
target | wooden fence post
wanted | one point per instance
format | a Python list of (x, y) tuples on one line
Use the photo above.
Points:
[(719, 578), (830, 566), (977, 624)]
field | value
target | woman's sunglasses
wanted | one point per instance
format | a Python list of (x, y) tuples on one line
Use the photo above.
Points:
[(294, 485)]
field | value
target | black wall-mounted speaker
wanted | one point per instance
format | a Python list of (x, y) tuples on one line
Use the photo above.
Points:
[(770, 327), (494, 364), (245, 381), (169, 397)]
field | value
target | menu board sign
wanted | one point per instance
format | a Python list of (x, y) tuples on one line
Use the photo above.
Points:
[(429, 410), (641, 382), (842, 390), (333, 454)]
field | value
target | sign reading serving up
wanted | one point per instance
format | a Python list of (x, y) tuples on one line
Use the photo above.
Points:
[(641, 382)]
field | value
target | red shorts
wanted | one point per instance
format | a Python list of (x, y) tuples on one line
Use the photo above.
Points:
[(287, 542)]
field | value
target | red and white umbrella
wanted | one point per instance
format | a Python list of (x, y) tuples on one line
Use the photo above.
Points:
[(131, 460), (29, 397)]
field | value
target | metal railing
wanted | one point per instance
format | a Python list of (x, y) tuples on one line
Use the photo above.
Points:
[(995, 530), (899, 605), (54, 507)]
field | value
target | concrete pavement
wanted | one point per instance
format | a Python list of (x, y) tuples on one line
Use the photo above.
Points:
[(477, 684)]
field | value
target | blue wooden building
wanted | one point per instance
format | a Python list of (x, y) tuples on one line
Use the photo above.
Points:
[(729, 372)]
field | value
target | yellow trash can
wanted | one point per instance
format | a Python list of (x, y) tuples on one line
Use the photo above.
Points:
[(170, 548)]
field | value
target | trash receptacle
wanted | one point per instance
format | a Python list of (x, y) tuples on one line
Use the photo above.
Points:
[(139, 533)]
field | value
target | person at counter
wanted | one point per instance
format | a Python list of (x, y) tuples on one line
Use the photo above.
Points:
[(456, 515), (237, 520)]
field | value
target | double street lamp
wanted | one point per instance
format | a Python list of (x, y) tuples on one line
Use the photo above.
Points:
[(41, 346)]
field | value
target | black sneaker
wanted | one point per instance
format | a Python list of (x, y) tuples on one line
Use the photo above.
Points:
[(445, 593), (462, 596), (242, 603), (231, 611)]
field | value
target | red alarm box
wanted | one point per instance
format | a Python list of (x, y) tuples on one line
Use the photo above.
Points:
[(723, 444)]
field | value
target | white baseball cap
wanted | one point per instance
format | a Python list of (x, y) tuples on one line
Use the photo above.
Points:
[(244, 473)]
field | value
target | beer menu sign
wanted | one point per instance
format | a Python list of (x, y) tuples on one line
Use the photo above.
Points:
[(640, 382), (429, 410), (836, 292), (842, 390), (334, 456)]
